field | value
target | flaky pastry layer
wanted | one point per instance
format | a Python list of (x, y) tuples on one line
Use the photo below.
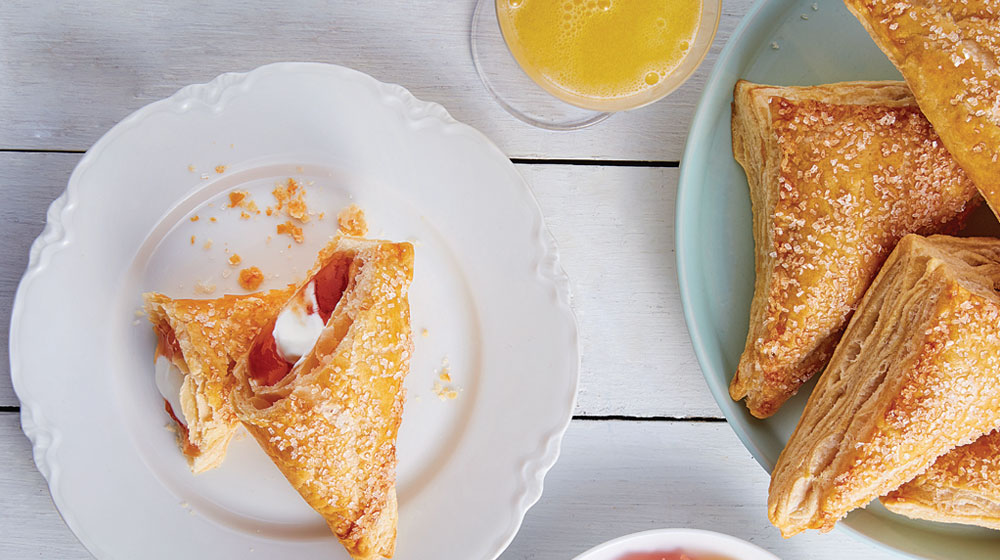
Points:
[(949, 53), (330, 425), (212, 335), (912, 378), (837, 174), (962, 486)]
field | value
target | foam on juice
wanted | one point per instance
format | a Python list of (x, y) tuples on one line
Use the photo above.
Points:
[(600, 49)]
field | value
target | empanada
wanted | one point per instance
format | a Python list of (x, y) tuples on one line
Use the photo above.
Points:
[(913, 377), (321, 389), (962, 486), (949, 53), (198, 343), (837, 174)]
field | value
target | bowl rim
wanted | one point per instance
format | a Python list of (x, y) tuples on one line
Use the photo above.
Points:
[(679, 537)]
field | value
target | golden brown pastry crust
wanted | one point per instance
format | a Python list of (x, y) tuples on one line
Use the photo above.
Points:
[(912, 378), (962, 486), (837, 175), (212, 335), (949, 53), (330, 425)]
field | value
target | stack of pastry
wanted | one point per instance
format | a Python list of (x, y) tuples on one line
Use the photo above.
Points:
[(846, 180), (314, 372)]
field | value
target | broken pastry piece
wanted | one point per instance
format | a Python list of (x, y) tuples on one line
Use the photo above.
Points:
[(198, 342), (949, 53), (321, 388), (962, 486), (913, 377), (837, 174)]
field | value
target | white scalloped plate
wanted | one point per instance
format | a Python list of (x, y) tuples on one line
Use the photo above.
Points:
[(488, 289)]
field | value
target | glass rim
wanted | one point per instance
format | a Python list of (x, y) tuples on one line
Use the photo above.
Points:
[(704, 37)]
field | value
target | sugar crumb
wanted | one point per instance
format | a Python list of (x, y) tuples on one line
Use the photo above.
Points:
[(195, 218), (220, 169), (425, 333), (207, 245), (351, 221), (203, 287), (236, 198), (235, 260), (444, 392), (288, 228), (251, 278), (191, 168)]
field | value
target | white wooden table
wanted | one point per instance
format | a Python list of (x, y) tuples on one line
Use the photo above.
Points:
[(648, 446)]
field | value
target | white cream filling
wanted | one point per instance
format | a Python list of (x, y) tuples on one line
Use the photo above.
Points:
[(296, 329), (169, 380)]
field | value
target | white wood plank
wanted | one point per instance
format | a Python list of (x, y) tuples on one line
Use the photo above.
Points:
[(615, 230), (30, 526), (613, 478), (29, 183), (616, 478), (73, 69)]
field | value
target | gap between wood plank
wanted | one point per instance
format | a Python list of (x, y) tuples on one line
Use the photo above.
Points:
[(529, 161), (39, 151), (597, 162), (623, 418), (605, 418)]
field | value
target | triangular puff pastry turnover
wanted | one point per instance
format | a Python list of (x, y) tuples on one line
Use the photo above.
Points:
[(329, 414), (913, 377), (198, 342), (837, 174), (949, 53), (962, 486)]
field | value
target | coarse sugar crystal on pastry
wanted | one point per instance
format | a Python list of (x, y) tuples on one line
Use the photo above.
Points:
[(913, 377), (962, 486), (198, 341), (949, 53), (837, 174), (321, 388)]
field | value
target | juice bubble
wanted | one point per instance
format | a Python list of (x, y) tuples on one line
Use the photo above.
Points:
[(685, 45), (604, 5), (652, 78), (514, 3)]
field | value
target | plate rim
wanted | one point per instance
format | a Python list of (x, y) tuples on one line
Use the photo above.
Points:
[(44, 436)]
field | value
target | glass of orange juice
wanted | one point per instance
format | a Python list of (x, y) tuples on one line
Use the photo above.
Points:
[(566, 64)]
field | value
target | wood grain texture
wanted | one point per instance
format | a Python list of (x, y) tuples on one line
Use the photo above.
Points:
[(615, 230), (29, 183), (613, 478), (80, 67)]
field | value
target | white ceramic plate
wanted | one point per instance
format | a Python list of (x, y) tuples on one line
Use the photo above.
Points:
[(487, 288), (694, 542), (781, 42)]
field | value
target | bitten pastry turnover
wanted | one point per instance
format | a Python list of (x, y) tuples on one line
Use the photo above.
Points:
[(837, 175), (949, 53), (198, 342), (962, 486), (321, 389), (913, 377)]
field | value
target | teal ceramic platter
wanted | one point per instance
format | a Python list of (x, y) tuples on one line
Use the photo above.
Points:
[(779, 43)]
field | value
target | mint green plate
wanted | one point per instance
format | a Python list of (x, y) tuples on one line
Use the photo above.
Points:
[(780, 43)]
